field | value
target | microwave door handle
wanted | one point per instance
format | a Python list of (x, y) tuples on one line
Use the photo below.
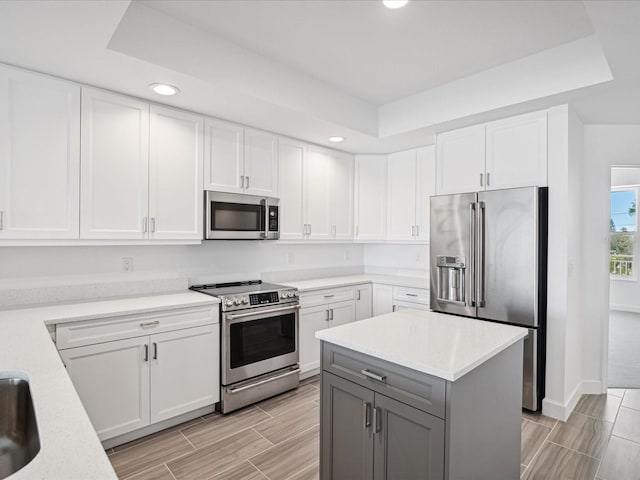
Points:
[(265, 232)]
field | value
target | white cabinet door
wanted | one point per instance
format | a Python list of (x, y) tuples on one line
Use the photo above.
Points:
[(426, 187), (223, 156), (517, 152), (112, 380), (318, 193), (460, 156), (114, 166), (185, 371), (401, 197), (342, 196), (292, 157), (382, 299), (363, 301), (342, 313), (260, 163), (175, 174), (39, 156), (312, 319), (370, 197)]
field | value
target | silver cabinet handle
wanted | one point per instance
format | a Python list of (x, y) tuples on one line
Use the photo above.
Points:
[(480, 295), (241, 181), (153, 224), (417, 231), (488, 178), (327, 312), (1, 220), (481, 183), (144, 225), (155, 351), (472, 256), (146, 353), (377, 420), (331, 310), (393, 309), (357, 230), (358, 297), (368, 373), (412, 294), (333, 230), (247, 179), (309, 228), (329, 296), (366, 407), (150, 324), (413, 230)]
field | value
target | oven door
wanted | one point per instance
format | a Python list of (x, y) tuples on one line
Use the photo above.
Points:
[(258, 341), (235, 217)]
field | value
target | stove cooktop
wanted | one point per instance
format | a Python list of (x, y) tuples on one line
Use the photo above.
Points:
[(252, 294)]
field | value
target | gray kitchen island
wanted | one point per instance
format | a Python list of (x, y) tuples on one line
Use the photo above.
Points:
[(416, 395)]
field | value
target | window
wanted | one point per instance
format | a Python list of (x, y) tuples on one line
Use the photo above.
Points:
[(623, 230)]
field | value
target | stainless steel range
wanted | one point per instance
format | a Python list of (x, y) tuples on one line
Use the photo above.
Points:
[(259, 340)]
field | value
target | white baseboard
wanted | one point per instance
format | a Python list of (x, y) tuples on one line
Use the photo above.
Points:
[(624, 308), (561, 411)]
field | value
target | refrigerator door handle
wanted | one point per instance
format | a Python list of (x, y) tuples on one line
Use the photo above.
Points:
[(472, 257), (480, 294)]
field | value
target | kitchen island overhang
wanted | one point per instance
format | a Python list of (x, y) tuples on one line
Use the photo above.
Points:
[(416, 394)]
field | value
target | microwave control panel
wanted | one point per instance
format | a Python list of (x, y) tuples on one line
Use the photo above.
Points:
[(273, 218)]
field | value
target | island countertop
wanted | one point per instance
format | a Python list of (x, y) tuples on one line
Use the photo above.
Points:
[(445, 346)]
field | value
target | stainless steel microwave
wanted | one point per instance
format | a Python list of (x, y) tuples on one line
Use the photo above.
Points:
[(236, 216)]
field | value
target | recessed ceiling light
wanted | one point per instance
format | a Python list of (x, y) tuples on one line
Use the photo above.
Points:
[(164, 89), (395, 3), (336, 139)]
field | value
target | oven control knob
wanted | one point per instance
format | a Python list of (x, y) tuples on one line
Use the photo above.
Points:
[(245, 300), (229, 303), (236, 301), (296, 294), (283, 294)]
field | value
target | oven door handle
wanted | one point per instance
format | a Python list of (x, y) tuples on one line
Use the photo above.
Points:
[(262, 382), (261, 312)]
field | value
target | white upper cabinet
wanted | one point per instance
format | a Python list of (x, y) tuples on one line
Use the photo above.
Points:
[(517, 152), (425, 188), (240, 159), (506, 153), (411, 182), (260, 163), (292, 159), (39, 156), (224, 156), (342, 196), (115, 166), (175, 174), (370, 210), (460, 160), (401, 203), (318, 194)]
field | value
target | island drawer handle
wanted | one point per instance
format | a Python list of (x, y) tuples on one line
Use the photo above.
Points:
[(329, 296), (367, 414), (374, 376), (412, 294), (377, 417), (150, 324)]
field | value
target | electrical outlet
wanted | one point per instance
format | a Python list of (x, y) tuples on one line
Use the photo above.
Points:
[(290, 258), (127, 264)]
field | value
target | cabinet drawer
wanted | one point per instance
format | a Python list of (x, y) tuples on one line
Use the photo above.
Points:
[(89, 332), (415, 295), (333, 295), (417, 389)]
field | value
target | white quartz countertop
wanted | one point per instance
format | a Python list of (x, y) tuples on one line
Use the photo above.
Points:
[(346, 280), (69, 446), (445, 346)]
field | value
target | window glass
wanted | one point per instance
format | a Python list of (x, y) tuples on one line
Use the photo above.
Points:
[(623, 228)]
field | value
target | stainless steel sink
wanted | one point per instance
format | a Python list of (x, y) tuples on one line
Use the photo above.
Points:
[(19, 440)]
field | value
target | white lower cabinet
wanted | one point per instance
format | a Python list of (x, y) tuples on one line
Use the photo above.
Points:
[(363, 301), (318, 317), (128, 384), (112, 380), (382, 299)]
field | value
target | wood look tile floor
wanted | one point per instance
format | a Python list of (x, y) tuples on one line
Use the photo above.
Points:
[(278, 439)]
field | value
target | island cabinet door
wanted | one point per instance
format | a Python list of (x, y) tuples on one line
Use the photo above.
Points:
[(346, 435), (408, 443)]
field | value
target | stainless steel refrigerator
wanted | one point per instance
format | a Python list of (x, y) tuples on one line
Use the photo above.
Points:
[(489, 261)]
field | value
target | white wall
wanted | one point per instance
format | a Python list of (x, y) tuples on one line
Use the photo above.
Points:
[(34, 267), (412, 260), (605, 146)]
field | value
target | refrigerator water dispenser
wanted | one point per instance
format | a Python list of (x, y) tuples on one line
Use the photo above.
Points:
[(451, 278)]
